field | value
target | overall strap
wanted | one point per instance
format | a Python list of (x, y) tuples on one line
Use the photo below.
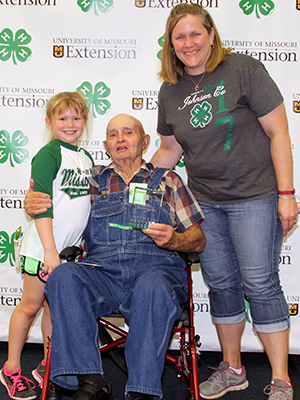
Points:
[(104, 178), (156, 178)]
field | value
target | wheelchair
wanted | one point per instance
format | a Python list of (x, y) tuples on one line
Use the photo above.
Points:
[(186, 363)]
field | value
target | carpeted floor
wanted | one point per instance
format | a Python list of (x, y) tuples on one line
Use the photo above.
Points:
[(256, 364)]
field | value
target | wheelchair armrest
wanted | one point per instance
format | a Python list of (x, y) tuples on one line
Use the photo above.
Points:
[(70, 253), (190, 258)]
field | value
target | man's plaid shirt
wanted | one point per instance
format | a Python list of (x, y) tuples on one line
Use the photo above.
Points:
[(184, 209)]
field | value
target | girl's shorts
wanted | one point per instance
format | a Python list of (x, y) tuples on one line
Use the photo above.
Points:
[(33, 267)]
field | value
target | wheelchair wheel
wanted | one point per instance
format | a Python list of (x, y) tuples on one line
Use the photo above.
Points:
[(117, 355)]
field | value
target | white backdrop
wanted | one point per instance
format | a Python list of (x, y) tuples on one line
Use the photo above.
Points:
[(110, 49)]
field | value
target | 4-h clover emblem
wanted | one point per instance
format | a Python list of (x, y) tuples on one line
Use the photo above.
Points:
[(161, 43), (7, 248), (181, 162), (14, 148), (201, 115), (15, 47), (96, 99), (262, 6), (102, 5)]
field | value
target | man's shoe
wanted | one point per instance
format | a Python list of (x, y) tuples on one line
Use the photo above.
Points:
[(18, 386), (279, 390), (88, 390), (39, 373), (53, 392), (223, 380)]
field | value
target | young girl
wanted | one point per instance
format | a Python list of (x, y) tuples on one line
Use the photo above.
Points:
[(62, 170)]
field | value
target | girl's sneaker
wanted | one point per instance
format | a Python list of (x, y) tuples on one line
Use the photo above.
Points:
[(39, 373), (18, 386)]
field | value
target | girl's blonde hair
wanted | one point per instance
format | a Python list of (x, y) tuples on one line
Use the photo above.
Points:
[(64, 100), (171, 67)]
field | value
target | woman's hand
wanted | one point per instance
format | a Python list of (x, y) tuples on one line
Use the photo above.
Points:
[(288, 213), (36, 202)]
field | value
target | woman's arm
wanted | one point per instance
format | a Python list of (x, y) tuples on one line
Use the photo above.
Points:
[(275, 126), (168, 154), (44, 227)]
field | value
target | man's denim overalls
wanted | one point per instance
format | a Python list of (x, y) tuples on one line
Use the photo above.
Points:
[(127, 273)]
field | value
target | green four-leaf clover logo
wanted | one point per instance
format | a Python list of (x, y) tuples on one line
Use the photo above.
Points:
[(7, 248), (99, 5), (96, 99), (201, 115), (13, 148), (161, 43), (262, 6), (181, 162), (14, 46)]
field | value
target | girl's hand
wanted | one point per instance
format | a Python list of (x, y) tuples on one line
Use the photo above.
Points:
[(51, 261)]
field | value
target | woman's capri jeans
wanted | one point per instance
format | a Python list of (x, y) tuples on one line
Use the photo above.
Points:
[(241, 256)]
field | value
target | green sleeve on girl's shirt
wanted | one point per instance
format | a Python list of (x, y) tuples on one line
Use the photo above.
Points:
[(44, 167), (90, 157)]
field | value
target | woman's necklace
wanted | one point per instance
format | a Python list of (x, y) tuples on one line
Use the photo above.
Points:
[(197, 84)]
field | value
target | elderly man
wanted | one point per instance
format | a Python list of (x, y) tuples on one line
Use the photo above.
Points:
[(136, 272)]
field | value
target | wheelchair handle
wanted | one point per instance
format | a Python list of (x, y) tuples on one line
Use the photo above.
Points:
[(70, 253), (190, 258)]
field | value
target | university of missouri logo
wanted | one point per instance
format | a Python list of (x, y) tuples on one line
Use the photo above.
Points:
[(298, 4), (296, 104), (137, 103), (58, 51), (142, 3), (293, 309)]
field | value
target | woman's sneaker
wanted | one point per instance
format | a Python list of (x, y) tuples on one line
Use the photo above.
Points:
[(18, 386), (39, 373), (279, 390), (223, 380)]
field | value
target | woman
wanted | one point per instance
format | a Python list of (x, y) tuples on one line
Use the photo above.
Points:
[(226, 113)]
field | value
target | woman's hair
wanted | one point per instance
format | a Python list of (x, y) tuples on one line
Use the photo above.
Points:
[(64, 100), (171, 67)]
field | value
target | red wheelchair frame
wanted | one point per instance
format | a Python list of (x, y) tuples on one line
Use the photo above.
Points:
[(186, 363)]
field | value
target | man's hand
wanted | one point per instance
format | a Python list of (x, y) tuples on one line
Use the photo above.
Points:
[(191, 240), (161, 234), (36, 202)]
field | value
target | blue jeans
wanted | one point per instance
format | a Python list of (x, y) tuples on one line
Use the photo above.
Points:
[(146, 290), (243, 243)]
